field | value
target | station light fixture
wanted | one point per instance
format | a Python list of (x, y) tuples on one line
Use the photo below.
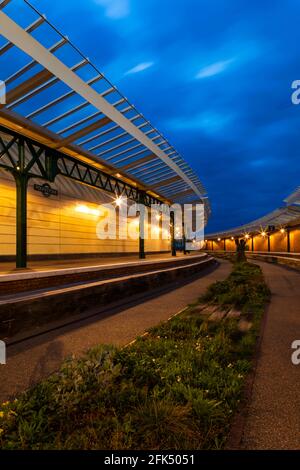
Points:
[(219, 239), (282, 230), (118, 201), (83, 209)]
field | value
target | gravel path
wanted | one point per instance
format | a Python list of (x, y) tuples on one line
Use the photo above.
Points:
[(30, 361), (273, 420)]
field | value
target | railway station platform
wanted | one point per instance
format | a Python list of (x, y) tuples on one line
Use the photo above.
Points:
[(49, 292)]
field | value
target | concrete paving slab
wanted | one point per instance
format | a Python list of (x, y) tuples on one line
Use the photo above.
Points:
[(273, 420)]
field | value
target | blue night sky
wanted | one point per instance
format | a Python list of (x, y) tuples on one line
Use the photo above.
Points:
[(215, 77)]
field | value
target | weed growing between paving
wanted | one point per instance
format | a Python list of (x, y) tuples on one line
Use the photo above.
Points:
[(177, 387)]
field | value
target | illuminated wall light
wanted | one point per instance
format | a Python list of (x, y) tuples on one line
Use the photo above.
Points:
[(247, 236), (232, 238), (118, 201), (219, 239), (87, 210), (282, 230), (263, 233)]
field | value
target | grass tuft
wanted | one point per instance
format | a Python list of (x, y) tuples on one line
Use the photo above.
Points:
[(177, 387)]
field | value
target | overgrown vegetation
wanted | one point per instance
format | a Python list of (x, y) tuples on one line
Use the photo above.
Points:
[(175, 388)]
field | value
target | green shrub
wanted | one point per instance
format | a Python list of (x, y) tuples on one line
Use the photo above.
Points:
[(177, 387)]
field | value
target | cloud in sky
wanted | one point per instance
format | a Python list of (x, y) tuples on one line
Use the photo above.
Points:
[(208, 122), (139, 68), (115, 9), (214, 69)]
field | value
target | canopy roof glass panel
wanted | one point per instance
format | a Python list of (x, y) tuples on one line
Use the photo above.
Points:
[(52, 85)]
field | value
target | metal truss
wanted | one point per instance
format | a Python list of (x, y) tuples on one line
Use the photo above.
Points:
[(39, 82), (26, 159)]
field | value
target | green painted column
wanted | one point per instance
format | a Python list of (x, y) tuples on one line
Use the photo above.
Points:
[(172, 227), (141, 215), (21, 180), (288, 240), (183, 236), (141, 235)]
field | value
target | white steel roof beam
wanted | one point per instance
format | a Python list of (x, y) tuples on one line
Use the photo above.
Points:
[(156, 164), (24, 41), (59, 100), (81, 121), (31, 64), (123, 152), (29, 29), (130, 156), (40, 88), (129, 141)]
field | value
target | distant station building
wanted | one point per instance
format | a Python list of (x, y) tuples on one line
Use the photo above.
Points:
[(70, 142), (278, 231)]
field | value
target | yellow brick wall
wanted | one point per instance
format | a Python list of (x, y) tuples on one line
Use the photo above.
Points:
[(260, 243), (295, 240), (278, 241), (7, 216), (55, 226), (230, 245)]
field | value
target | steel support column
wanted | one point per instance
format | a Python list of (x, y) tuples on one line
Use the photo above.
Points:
[(45, 163), (288, 240), (183, 236), (224, 244), (21, 202), (269, 243), (252, 243), (141, 215), (172, 227)]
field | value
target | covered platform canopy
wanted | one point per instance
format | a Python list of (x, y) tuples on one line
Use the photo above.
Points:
[(57, 97), (281, 218)]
